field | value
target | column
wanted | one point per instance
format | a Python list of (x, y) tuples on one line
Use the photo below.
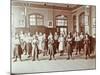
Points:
[(87, 24), (77, 23), (93, 20), (25, 16)]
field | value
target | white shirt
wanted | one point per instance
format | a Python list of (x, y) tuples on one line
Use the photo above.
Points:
[(21, 36), (56, 37), (28, 39), (50, 37), (68, 39), (81, 37), (61, 39), (77, 38), (17, 41)]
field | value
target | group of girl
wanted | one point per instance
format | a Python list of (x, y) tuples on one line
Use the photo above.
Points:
[(49, 45)]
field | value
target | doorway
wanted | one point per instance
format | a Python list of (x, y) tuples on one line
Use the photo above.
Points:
[(62, 29)]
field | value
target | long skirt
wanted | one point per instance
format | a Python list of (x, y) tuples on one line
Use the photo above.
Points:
[(35, 52), (50, 49), (56, 44), (61, 46), (18, 51), (82, 44), (23, 46), (77, 46), (92, 45), (29, 48), (69, 49), (40, 45), (87, 50), (46, 45)]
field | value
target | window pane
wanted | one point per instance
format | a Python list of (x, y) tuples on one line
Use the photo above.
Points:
[(93, 31), (94, 21), (39, 21), (32, 16), (38, 16), (32, 22), (30, 19), (65, 22), (60, 22), (36, 20)]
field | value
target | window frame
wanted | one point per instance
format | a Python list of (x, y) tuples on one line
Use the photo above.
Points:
[(65, 19), (61, 19), (37, 18)]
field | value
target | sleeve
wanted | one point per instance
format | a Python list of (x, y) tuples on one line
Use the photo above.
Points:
[(59, 39)]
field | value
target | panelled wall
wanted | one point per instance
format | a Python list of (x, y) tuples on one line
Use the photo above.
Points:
[(80, 19), (20, 16)]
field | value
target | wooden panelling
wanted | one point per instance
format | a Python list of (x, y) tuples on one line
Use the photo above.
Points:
[(34, 29), (25, 30)]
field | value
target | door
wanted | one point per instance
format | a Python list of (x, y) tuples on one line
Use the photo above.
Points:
[(62, 30)]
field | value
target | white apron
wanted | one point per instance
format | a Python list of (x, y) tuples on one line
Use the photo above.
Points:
[(40, 47), (61, 43)]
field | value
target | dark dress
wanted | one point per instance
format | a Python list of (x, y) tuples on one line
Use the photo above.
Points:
[(55, 44), (18, 50), (69, 47), (87, 47), (29, 48)]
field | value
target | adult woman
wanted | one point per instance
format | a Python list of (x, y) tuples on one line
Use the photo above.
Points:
[(22, 37), (69, 46), (28, 44), (35, 51), (50, 46), (40, 45), (87, 45), (44, 45), (61, 44), (56, 42), (81, 41), (17, 50), (77, 43)]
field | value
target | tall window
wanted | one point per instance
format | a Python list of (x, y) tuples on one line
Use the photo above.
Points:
[(74, 23), (36, 19), (61, 21), (94, 26), (81, 22)]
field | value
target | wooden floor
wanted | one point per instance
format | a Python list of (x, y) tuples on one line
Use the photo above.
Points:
[(77, 62)]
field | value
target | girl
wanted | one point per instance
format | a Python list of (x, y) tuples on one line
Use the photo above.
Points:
[(61, 44), (69, 46), (87, 45)]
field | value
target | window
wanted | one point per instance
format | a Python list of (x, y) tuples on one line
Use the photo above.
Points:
[(94, 26), (36, 19), (82, 22), (61, 21)]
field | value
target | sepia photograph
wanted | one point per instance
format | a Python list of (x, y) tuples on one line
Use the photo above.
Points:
[(52, 37)]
